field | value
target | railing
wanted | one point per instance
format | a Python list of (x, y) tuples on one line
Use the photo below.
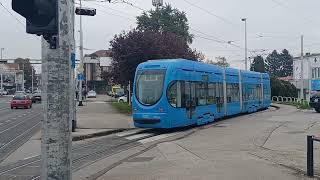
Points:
[(285, 99), (310, 163)]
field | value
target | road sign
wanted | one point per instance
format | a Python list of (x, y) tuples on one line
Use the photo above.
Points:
[(80, 77), (315, 85)]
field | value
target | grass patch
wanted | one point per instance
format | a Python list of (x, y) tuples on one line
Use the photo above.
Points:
[(299, 105), (122, 107)]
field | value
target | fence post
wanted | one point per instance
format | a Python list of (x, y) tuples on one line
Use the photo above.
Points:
[(310, 156)]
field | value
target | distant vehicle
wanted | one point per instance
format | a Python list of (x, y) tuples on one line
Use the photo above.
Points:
[(4, 92), (92, 94), (178, 93), (36, 97), (315, 101), (21, 100), (119, 94), (19, 93), (123, 99)]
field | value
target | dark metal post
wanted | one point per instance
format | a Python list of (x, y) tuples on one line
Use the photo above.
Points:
[(310, 156)]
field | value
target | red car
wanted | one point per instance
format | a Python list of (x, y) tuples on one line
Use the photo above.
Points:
[(21, 101)]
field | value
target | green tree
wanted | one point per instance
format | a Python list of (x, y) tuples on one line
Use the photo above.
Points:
[(132, 48), (279, 65), (25, 65), (166, 19), (282, 88), (258, 64)]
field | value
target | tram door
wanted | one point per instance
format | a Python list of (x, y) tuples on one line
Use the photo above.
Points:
[(190, 95)]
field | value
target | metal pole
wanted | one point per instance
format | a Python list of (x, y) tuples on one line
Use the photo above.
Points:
[(129, 95), (310, 156), (31, 80), (1, 49), (23, 77), (246, 45), (302, 78), (81, 59), (1, 84), (57, 98)]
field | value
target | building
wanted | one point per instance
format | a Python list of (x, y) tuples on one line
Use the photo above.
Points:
[(311, 73), (94, 65)]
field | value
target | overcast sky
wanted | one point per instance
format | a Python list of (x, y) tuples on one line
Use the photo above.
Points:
[(272, 24)]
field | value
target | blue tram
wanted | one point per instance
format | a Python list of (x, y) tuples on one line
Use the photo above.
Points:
[(177, 92)]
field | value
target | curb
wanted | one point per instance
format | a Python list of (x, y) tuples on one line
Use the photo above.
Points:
[(275, 106), (98, 134)]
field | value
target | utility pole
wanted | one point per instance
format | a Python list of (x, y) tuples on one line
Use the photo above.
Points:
[(58, 97), (246, 43), (53, 20), (31, 80), (23, 77), (1, 50), (302, 78), (81, 69)]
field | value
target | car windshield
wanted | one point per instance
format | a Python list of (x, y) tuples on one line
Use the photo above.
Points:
[(19, 98), (149, 86)]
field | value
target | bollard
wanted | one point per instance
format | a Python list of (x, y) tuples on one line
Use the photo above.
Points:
[(310, 156)]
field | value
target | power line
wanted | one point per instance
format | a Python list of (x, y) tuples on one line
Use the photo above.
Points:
[(211, 13), (12, 15), (288, 8)]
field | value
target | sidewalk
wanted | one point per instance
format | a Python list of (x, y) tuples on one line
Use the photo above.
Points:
[(94, 118), (264, 146)]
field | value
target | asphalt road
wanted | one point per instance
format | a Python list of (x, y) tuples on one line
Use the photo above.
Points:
[(17, 126)]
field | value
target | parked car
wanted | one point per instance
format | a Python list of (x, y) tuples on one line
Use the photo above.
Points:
[(315, 101), (123, 99), (21, 100), (92, 94), (36, 97)]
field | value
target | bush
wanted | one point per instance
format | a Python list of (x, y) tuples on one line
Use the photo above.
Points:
[(122, 107)]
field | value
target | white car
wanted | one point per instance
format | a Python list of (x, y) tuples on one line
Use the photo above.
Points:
[(92, 94), (122, 99)]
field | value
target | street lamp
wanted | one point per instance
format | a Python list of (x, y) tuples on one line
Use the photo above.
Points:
[(246, 48)]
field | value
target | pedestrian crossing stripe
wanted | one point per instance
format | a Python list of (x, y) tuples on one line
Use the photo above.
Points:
[(155, 138)]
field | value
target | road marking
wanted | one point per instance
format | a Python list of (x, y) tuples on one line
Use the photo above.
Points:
[(24, 114), (14, 118), (1, 124), (20, 116), (7, 121), (126, 133), (30, 157), (155, 138), (138, 136)]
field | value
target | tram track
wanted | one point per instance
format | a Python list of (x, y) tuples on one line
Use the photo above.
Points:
[(103, 147)]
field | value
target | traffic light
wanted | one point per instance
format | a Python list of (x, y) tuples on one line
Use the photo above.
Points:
[(86, 11), (41, 17)]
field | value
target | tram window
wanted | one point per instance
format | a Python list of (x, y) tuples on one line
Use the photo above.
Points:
[(149, 86), (175, 94), (211, 94), (233, 92), (202, 91)]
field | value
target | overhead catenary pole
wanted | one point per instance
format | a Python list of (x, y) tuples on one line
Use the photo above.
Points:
[(57, 95), (81, 60), (302, 78), (246, 43)]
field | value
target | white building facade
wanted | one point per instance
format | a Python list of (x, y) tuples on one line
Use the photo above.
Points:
[(311, 73)]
